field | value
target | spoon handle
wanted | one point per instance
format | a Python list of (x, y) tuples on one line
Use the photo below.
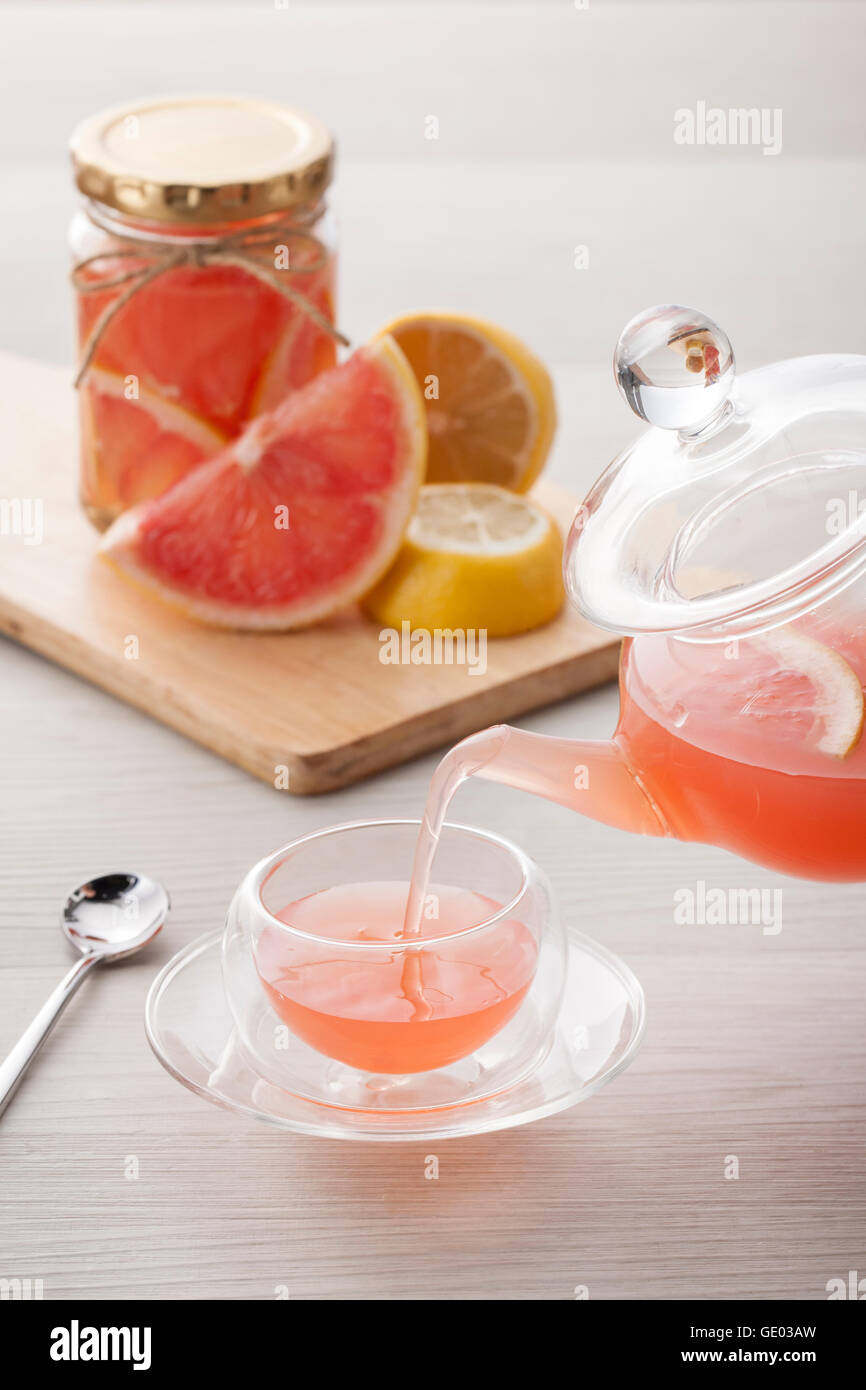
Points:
[(13, 1068)]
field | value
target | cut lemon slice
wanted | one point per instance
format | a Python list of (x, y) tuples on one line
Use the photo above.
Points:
[(475, 557), (491, 414), (839, 704)]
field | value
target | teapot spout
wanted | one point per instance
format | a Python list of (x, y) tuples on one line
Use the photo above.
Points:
[(590, 776)]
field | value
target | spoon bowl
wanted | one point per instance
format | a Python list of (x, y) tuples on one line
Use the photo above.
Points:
[(114, 915)]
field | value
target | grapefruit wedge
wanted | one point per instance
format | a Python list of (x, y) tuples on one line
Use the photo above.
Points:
[(297, 517)]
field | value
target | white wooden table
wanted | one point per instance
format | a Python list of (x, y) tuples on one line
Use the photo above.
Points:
[(551, 136)]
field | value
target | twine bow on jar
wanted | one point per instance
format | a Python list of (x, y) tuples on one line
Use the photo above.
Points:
[(158, 258)]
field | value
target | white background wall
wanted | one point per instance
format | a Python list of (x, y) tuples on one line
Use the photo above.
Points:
[(556, 130)]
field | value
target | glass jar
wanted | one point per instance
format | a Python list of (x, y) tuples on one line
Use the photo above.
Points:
[(204, 267)]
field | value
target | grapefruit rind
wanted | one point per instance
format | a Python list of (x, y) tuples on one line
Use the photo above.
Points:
[(120, 546)]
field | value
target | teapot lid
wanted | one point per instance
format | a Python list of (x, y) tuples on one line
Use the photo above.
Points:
[(741, 506)]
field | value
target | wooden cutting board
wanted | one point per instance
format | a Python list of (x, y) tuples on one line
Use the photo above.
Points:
[(316, 709)]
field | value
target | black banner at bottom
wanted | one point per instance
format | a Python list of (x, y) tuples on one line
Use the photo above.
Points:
[(84, 1339)]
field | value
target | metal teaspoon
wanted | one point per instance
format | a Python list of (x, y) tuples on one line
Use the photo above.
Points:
[(106, 919)]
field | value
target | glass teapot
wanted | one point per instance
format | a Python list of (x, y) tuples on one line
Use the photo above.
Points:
[(728, 545)]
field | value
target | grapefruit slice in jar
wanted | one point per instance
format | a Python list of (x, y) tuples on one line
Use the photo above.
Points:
[(300, 515), (136, 446), (302, 351), (196, 336)]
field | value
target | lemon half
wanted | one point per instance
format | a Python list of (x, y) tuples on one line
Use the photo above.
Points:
[(491, 414), (475, 556)]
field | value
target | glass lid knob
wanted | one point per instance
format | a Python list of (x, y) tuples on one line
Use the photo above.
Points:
[(675, 367)]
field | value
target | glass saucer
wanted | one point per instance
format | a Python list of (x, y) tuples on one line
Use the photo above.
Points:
[(191, 1030)]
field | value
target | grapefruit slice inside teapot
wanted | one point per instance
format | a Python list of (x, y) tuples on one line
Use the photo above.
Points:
[(836, 706)]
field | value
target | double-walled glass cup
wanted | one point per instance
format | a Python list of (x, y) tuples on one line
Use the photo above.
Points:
[(333, 1001)]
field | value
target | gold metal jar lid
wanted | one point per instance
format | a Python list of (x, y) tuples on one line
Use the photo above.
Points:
[(202, 158)]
